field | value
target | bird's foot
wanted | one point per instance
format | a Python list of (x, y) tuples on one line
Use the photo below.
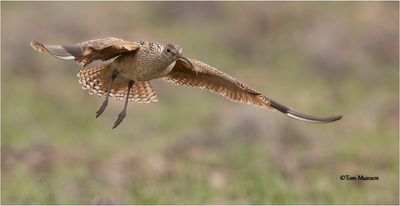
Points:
[(102, 108), (121, 117)]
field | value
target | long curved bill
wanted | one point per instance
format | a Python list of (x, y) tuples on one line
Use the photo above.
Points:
[(189, 62)]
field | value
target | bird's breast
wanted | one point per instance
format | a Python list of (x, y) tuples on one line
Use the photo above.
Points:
[(143, 66)]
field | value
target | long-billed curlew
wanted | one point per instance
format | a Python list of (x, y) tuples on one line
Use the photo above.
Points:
[(136, 63)]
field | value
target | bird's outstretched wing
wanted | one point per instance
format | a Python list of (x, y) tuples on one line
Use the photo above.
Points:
[(86, 52), (213, 80)]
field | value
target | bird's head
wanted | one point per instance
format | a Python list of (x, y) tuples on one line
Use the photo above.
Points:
[(174, 52)]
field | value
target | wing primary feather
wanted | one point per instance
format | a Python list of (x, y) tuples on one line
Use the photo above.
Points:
[(86, 52), (75, 51), (303, 117), (62, 52)]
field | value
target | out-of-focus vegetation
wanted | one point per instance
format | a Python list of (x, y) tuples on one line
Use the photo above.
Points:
[(193, 146)]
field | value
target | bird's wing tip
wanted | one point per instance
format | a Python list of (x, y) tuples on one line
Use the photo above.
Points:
[(336, 118), (37, 46), (313, 119), (330, 119), (303, 117)]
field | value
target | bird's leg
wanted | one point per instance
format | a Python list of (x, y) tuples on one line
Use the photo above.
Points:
[(122, 115), (105, 102)]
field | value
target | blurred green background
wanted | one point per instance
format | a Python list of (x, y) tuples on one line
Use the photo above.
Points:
[(194, 147)]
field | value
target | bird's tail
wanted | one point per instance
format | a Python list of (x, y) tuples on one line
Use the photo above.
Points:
[(96, 79), (303, 117)]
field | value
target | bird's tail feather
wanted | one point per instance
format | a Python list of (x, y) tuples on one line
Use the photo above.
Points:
[(96, 79)]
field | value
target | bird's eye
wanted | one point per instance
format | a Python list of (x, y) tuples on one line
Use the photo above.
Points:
[(168, 50)]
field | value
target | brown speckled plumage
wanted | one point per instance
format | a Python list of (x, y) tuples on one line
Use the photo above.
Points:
[(96, 80), (136, 63)]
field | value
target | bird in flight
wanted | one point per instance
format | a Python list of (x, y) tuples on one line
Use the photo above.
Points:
[(134, 64)]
